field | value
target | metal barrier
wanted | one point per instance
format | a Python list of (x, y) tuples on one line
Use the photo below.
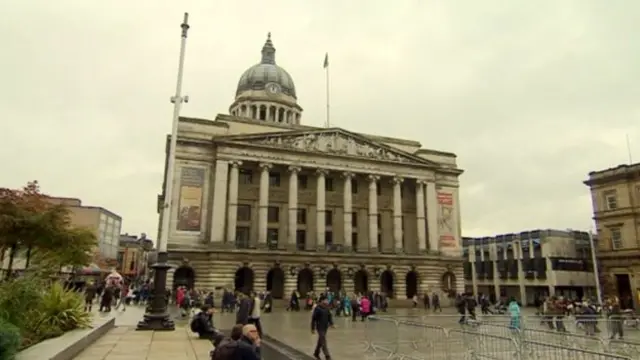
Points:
[(412, 338)]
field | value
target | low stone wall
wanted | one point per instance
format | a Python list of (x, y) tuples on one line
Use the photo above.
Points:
[(67, 346)]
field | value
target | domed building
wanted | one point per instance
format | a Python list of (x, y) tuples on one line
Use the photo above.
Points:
[(264, 202)]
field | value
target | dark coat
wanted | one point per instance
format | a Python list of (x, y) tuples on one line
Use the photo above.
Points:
[(244, 311)]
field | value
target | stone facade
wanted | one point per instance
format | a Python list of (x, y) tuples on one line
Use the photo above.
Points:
[(266, 204), (615, 195)]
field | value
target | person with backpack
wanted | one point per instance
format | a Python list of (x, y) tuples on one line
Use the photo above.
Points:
[(202, 324)]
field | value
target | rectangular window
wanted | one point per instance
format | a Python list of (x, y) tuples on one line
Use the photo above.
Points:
[(379, 242), (328, 217), (354, 186), (272, 239), (616, 238), (302, 216), (245, 177), (243, 234), (303, 181), (354, 241), (301, 240), (611, 199), (354, 220), (468, 275), (488, 269), (274, 179), (379, 221), (328, 184), (273, 214), (244, 212), (328, 240), (378, 188)]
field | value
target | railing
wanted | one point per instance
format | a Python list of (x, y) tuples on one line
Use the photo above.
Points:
[(426, 337)]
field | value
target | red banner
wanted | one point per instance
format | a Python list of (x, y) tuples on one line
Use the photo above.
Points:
[(445, 198)]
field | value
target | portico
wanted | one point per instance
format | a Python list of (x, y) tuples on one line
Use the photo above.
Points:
[(388, 218)]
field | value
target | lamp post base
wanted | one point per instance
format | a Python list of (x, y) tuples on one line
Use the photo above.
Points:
[(157, 317), (156, 322)]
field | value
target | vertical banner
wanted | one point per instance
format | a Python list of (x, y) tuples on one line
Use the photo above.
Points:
[(446, 220), (191, 196)]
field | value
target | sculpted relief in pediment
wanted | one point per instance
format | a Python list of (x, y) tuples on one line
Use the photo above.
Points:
[(336, 143)]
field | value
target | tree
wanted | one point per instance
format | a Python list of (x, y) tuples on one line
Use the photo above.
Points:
[(29, 222)]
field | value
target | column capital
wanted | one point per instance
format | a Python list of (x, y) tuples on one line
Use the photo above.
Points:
[(373, 178), (348, 175), (294, 169), (265, 166), (396, 180), (421, 181), (235, 163), (322, 172)]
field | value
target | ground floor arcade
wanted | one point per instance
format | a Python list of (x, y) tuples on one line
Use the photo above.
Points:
[(399, 277)]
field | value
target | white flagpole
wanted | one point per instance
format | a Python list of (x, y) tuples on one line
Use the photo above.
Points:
[(596, 271), (629, 150), (326, 68), (177, 101), (157, 316)]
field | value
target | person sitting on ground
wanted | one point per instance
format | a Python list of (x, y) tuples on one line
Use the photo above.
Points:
[(249, 343), (202, 324)]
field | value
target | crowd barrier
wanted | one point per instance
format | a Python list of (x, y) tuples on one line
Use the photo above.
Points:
[(417, 337)]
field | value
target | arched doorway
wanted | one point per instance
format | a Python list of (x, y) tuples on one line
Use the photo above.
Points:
[(449, 284), (334, 280), (184, 276), (243, 280), (305, 281), (275, 282), (411, 283), (361, 282), (386, 283)]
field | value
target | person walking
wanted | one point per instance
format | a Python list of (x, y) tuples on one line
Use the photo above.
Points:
[(321, 321)]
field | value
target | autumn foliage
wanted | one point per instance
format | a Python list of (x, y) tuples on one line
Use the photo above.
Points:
[(31, 225)]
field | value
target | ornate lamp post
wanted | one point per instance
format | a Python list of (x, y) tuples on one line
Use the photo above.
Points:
[(157, 316)]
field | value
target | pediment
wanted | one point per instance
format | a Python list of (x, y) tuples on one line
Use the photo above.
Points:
[(329, 141)]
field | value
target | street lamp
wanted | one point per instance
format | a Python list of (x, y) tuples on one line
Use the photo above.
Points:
[(157, 317)]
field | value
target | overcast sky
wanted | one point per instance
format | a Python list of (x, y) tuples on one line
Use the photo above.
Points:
[(531, 95)]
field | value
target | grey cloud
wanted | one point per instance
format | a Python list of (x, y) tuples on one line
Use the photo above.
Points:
[(530, 95)]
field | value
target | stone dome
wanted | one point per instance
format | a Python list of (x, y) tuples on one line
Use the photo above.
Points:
[(266, 72)]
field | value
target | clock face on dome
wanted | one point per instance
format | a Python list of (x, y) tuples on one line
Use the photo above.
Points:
[(273, 88)]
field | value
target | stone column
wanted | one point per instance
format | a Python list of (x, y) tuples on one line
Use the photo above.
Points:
[(373, 212), (321, 224), (232, 206), (263, 205), (432, 216), (219, 208), (292, 229), (420, 220), (348, 210), (397, 214)]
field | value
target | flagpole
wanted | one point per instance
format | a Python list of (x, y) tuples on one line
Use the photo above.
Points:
[(157, 317), (629, 150), (596, 271), (326, 68)]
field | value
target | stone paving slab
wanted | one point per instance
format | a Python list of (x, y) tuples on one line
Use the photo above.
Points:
[(124, 343)]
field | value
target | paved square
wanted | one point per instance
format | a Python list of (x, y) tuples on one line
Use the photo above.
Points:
[(441, 338)]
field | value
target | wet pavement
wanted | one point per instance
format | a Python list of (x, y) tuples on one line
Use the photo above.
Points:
[(419, 334)]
